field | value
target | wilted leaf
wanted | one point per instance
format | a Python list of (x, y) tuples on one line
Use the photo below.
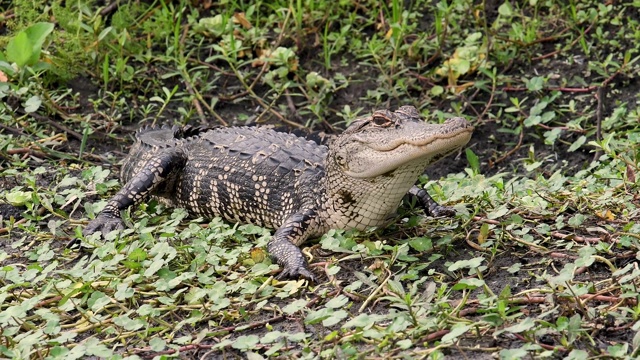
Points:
[(242, 20)]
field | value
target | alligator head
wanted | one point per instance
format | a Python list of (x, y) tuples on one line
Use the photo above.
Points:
[(373, 163), (385, 141)]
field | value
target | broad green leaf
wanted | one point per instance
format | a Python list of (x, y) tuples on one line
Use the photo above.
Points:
[(38, 32), (471, 264), (473, 160), (455, 332), (337, 302), (157, 344), (522, 326), (577, 354), (271, 336), (94, 347), (317, 316), (245, 342), (501, 211), (362, 321), (32, 104), (505, 9), (124, 291), (127, 323), (18, 198), (470, 283), (404, 344), (19, 49), (513, 354), (294, 306), (437, 90), (421, 244), (535, 84), (335, 318), (566, 274), (577, 144)]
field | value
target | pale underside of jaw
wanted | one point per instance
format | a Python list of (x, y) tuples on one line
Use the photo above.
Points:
[(412, 154)]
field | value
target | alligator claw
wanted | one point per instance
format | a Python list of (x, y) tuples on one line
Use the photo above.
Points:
[(290, 272), (103, 223), (445, 211)]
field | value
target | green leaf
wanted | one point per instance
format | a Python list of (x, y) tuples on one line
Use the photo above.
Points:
[(94, 347), (576, 354), (577, 144), (421, 244), (501, 211), (335, 318), (32, 104), (471, 264), (456, 331), (317, 316), (245, 342), (129, 324), (271, 336), (137, 254), (524, 325), (38, 33), (535, 84), (513, 354), (294, 306), (18, 198), (404, 344), (124, 291), (362, 320), (337, 302), (473, 160), (19, 49), (505, 9), (470, 283), (514, 268), (157, 344)]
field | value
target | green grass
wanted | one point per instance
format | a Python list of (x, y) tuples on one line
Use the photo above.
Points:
[(541, 260)]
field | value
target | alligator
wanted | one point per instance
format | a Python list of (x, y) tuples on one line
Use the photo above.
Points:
[(284, 182)]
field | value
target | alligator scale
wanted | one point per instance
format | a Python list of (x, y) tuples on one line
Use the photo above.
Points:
[(277, 180)]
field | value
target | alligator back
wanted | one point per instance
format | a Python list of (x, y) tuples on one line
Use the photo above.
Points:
[(244, 174)]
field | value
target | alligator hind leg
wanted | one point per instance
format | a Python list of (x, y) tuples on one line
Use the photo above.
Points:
[(430, 206), (283, 246), (152, 174)]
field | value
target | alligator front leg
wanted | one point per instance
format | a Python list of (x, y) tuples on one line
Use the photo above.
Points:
[(430, 206), (152, 174), (283, 246)]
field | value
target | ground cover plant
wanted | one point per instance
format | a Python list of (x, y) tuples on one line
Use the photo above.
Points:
[(540, 261)]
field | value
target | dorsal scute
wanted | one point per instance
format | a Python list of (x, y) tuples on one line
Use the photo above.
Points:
[(167, 135)]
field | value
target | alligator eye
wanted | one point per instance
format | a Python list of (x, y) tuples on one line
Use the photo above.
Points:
[(381, 121)]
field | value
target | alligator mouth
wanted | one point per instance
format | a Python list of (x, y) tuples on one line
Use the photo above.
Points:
[(453, 139), (423, 150), (457, 135)]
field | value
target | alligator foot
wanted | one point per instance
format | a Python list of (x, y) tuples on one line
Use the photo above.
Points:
[(289, 256), (441, 210), (430, 206), (292, 272), (105, 223)]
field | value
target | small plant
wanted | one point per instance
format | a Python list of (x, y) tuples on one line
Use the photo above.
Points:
[(23, 53)]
